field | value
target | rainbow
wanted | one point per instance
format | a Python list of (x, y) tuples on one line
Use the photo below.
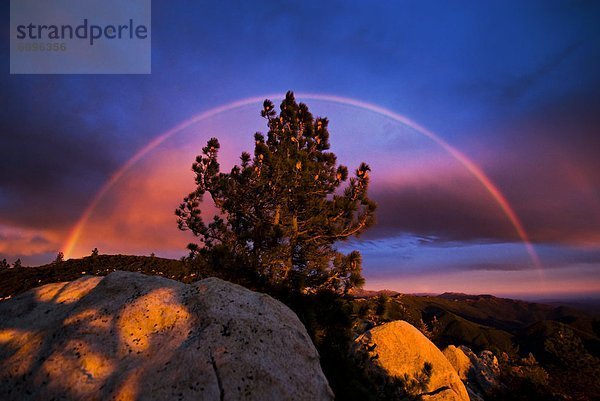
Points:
[(473, 169)]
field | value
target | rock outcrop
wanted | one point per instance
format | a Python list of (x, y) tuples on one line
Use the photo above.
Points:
[(484, 371), (129, 336), (399, 351), (459, 361)]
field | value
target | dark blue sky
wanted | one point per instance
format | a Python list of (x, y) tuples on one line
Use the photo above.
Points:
[(515, 85)]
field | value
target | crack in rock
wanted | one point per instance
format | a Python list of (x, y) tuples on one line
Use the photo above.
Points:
[(436, 391), (219, 383)]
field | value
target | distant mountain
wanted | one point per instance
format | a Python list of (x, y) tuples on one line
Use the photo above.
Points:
[(590, 306), (459, 296), (362, 293)]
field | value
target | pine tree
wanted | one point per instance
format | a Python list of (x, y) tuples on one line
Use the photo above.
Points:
[(17, 264), (281, 212), (4, 264), (60, 257), (94, 252)]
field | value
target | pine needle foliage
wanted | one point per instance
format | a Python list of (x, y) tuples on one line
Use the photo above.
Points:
[(282, 210)]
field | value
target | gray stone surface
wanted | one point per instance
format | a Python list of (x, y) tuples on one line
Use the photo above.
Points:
[(129, 336)]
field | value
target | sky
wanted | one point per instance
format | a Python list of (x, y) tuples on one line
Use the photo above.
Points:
[(513, 86)]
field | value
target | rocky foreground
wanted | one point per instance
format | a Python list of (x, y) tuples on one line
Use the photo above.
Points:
[(128, 336), (398, 350)]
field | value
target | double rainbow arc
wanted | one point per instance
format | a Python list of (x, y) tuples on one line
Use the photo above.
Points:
[(460, 157)]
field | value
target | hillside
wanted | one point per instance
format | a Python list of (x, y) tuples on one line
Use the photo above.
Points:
[(565, 341), (15, 281), (478, 321)]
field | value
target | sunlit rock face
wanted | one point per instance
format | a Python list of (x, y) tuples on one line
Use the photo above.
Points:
[(129, 336), (465, 369), (459, 361), (398, 351)]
